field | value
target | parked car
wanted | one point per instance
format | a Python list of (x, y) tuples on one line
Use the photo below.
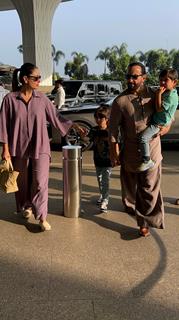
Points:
[(88, 91), (83, 114)]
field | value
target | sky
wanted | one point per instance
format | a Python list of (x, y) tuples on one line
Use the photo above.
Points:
[(88, 26)]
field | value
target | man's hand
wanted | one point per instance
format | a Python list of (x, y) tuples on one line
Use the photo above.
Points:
[(114, 154), (115, 161)]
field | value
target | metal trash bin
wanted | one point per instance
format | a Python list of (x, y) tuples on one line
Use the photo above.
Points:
[(72, 166)]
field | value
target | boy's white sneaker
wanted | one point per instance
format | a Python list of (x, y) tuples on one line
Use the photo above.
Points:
[(27, 213), (99, 200), (104, 206), (45, 226)]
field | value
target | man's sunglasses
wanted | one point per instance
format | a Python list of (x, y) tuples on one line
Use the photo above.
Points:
[(133, 76), (33, 78)]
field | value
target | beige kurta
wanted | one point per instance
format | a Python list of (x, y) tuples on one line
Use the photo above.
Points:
[(130, 115)]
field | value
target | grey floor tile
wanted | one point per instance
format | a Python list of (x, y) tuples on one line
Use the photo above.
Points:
[(134, 309), (73, 310), (25, 311), (24, 287)]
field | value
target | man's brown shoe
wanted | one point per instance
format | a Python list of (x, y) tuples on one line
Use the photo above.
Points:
[(144, 232)]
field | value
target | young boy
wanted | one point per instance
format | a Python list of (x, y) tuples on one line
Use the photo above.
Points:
[(166, 105), (99, 136)]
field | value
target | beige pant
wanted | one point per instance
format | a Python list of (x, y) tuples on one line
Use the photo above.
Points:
[(141, 193)]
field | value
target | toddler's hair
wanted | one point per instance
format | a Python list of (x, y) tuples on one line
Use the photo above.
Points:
[(170, 73)]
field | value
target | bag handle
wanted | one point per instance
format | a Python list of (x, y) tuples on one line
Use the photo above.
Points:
[(9, 163)]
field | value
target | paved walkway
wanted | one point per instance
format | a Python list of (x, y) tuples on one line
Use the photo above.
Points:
[(92, 268)]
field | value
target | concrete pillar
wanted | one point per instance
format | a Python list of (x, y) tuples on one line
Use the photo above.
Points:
[(36, 21)]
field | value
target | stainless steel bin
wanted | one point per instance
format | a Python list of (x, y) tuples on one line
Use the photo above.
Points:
[(72, 166)]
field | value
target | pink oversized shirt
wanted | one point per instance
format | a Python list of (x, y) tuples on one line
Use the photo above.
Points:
[(23, 126)]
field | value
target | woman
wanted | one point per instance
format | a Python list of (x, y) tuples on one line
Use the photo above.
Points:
[(23, 133)]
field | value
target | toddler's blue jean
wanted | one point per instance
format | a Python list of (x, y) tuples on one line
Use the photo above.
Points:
[(103, 176), (144, 138)]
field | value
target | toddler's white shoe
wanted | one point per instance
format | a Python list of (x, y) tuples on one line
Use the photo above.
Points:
[(146, 165)]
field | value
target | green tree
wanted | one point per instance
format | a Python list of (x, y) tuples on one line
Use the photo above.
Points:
[(104, 55), (118, 62), (56, 56), (141, 56), (120, 50), (156, 61), (78, 68), (175, 63)]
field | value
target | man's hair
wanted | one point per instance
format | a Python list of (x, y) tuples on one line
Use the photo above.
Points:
[(1, 83), (138, 64), (104, 110), (60, 81), (169, 73)]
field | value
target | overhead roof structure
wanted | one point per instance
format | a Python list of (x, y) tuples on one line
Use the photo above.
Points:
[(36, 21)]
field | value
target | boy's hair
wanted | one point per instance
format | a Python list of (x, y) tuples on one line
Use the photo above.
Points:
[(170, 73), (103, 110)]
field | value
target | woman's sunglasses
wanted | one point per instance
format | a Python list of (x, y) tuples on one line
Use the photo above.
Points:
[(35, 78)]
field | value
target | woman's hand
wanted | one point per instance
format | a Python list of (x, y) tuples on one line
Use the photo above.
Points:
[(81, 131), (5, 152)]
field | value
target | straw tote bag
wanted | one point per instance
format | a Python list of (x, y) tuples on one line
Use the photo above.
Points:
[(8, 177)]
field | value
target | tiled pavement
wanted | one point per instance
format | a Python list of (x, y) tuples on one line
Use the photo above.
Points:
[(94, 267)]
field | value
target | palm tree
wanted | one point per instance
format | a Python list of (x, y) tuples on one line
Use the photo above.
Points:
[(79, 58), (104, 55), (78, 68), (141, 56), (56, 56), (80, 65), (120, 51)]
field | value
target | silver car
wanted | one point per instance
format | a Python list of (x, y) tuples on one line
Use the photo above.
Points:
[(84, 116)]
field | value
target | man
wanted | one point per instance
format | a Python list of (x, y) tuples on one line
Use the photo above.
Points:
[(131, 113), (59, 100), (3, 92)]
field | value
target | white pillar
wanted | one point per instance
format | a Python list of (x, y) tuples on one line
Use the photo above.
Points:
[(36, 21)]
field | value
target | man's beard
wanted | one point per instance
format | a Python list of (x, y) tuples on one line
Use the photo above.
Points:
[(133, 87), (130, 86)]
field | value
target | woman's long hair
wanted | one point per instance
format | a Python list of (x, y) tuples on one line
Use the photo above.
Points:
[(17, 78)]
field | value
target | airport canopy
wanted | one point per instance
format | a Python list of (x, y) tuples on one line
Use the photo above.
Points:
[(36, 32)]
